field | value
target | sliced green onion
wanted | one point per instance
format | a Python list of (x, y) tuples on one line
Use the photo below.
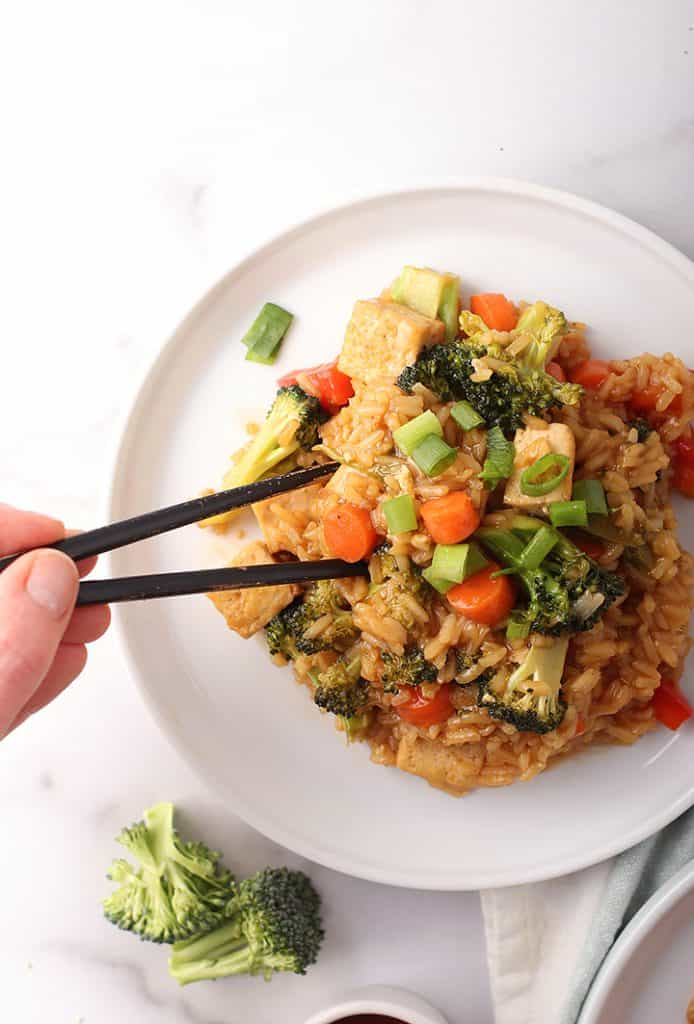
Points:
[(264, 337), (531, 482), (517, 630), (568, 513), (455, 562), (443, 586), (433, 455), (410, 434), (465, 416), (537, 549), (593, 493), (401, 514), (498, 465)]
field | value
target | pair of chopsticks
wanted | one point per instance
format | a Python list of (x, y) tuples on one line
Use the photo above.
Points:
[(196, 581)]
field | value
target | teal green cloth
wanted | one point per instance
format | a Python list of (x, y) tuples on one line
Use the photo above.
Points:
[(634, 877)]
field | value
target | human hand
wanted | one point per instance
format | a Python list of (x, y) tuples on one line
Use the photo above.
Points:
[(42, 635)]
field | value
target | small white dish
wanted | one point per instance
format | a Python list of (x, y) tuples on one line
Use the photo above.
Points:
[(648, 974), (242, 723), (396, 1003)]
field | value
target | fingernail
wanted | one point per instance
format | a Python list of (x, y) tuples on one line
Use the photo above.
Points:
[(52, 583)]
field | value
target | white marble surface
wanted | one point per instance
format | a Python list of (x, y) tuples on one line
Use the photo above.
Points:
[(146, 146)]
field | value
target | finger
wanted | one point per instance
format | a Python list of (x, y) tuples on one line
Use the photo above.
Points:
[(37, 596), (87, 624), (69, 661), (21, 530), (85, 566)]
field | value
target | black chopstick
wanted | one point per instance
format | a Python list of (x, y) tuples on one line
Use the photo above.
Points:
[(198, 581), (127, 531)]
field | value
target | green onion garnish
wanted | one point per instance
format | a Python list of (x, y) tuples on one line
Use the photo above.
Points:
[(593, 493), (531, 482), (401, 514), (498, 465), (517, 630), (264, 337), (443, 586), (433, 455), (537, 549), (455, 562), (465, 416), (410, 434), (568, 513)]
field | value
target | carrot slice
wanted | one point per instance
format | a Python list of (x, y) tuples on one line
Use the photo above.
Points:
[(670, 706), (591, 373), (482, 599), (425, 711), (497, 312), (349, 532), (451, 518)]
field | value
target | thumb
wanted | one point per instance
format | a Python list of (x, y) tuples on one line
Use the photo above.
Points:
[(37, 596)]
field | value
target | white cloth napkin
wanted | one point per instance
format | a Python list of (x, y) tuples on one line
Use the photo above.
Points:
[(545, 942)]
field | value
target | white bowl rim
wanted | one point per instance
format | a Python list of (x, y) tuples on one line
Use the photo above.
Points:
[(667, 252), (398, 1003)]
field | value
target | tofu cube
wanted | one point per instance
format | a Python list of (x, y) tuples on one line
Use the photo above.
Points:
[(382, 338), (247, 611), (531, 444)]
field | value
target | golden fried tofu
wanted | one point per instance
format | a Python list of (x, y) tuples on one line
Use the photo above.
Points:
[(441, 766), (531, 445), (382, 338), (284, 520), (247, 611)]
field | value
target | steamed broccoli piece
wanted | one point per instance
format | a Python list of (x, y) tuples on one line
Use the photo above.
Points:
[(274, 925), (531, 697), (356, 725), (340, 688), (518, 385), (286, 632), (291, 423), (569, 592), (408, 669), (395, 586), (177, 889)]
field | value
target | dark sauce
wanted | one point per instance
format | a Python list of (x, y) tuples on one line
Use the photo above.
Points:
[(368, 1018)]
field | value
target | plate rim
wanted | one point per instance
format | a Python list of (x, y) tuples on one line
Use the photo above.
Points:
[(325, 856), (644, 921)]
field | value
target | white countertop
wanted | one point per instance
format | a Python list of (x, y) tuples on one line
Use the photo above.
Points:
[(148, 147)]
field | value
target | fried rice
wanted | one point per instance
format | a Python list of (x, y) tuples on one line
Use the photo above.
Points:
[(612, 671)]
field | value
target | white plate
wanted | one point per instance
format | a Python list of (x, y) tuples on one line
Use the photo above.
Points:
[(241, 722), (648, 974)]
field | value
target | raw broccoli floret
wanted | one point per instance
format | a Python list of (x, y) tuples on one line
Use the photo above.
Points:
[(286, 632), (274, 925), (340, 688), (530, 698), (518, 384), (569, 592), (177, 889), (408, 669)]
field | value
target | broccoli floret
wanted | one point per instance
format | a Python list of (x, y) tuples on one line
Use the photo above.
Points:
[(518, 383), (291, 423), (395, 587), (177, 890), (340, 688), (531, 697), (286, 632), (642, 428), (408, 669), (355, 726), (569, 592), (274, 925)]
